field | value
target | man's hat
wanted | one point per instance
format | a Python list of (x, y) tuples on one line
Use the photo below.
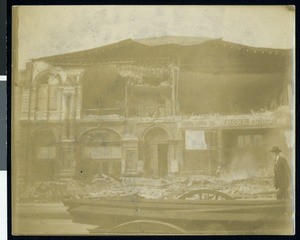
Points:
[(275, 149)]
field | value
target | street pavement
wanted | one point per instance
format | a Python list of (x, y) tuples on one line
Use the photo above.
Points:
[(46, 219)]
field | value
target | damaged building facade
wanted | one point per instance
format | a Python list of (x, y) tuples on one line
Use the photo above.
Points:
[(136, 109)]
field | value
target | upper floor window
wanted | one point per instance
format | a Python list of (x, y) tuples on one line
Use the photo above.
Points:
[(48, 93)]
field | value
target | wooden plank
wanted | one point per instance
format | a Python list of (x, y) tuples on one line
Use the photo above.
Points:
[(180, 206), (120, 200), (186, 214)]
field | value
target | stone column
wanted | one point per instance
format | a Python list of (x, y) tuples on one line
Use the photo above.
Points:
[(154, 159), (176, 161), (67, 154), (30, 161), (68, 121), (171, 158), (220, 148), (61, 101), (130, 156), (179, 155), (67, 159), (78, 101), (33, 103)]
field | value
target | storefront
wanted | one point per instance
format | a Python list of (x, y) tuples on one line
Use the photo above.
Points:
[(100, 153), (235, 143)]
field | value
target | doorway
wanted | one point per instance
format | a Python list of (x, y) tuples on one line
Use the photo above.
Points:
[(156, 152)]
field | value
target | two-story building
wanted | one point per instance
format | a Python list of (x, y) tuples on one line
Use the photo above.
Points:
[(131, 109)]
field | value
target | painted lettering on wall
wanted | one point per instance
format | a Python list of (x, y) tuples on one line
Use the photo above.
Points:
[(247, 122)]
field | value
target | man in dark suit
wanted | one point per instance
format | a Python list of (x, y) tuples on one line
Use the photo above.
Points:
[(282, 174)]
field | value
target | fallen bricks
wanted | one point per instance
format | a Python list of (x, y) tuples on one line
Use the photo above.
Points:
[(105, 186)]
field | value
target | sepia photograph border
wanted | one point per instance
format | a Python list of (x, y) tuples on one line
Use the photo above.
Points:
[(11, 72)]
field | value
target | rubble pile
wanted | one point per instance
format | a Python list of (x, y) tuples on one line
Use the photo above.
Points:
[(51, 191), (149, 188), (238, 188)]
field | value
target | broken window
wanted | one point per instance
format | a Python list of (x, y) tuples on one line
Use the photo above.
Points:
[(149, 101), (103, 90)]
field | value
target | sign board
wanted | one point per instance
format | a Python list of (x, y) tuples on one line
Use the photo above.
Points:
[(234, 121), (195, 140)]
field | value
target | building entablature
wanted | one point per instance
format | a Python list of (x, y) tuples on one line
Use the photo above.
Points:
[(270, 119)]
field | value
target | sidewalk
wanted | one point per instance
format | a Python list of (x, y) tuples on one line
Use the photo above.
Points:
[(46, 219)]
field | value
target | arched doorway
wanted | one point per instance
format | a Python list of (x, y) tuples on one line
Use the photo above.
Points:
[(101, 153), (156, 152), (44, 156)]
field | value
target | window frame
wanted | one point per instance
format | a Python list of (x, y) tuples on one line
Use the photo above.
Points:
[(51, 100)]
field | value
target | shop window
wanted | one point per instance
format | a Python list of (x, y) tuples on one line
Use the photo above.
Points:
[(200, 140)]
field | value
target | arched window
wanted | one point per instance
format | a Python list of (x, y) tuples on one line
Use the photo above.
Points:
[(101, 153), (48, 93)]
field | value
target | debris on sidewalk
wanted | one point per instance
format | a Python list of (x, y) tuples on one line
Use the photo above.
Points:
[(149, 188)]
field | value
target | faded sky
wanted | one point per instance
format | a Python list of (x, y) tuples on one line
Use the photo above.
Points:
[(50, 30)]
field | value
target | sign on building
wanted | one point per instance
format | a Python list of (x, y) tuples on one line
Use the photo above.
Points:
[(195, 140)]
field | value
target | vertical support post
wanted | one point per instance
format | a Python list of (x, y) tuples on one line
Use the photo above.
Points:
[(69, 113), (66, 167), (126, 98), (61, 106), (130, 156), (32, 104), (173, 91), (78, 101), (171, 158), (154, 159), (48, 103), (220, 147), (66, 116), (177, 88)]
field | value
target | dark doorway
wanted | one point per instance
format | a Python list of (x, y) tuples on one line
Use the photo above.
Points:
[(162, 156)]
